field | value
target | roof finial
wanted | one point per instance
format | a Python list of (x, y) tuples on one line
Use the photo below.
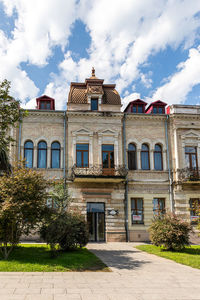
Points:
[(93, 72)]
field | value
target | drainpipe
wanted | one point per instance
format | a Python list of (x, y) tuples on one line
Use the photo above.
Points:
[(169, 169), (64, 151), (20, 134), (126, 179)]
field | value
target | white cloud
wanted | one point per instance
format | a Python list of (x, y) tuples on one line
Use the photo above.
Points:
[(181, 82), (129, 98), (123, 37)]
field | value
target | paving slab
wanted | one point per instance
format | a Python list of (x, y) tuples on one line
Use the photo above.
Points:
[(135, 275)]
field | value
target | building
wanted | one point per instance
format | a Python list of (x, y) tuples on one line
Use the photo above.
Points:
[(122, 168)]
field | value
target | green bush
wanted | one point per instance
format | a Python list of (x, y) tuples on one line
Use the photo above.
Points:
[(67, 230), (170, 232)]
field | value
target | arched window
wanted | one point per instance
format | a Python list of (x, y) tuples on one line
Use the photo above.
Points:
[(132, 160), (28, 153), (158, 164), (145, 157), (55, 155), (42, 155)]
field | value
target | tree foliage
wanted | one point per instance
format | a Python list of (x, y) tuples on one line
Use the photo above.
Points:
[(10, 116), (170, 232), (23, 196)]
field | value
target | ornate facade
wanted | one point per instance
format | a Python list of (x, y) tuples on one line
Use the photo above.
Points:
[(122, 168)]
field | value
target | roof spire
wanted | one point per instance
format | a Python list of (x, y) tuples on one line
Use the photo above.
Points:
[(93, 72)]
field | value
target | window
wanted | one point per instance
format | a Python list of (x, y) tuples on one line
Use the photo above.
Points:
[(132, 165), (145, 157), (55, 155), (94, 104), (137, 215), (138, 109), (158, 164), (158, 206), (42, 155), (82, 155), (108, 156), (194, 209), (191, 157), (158, 110), (28, 153), (45, 105)]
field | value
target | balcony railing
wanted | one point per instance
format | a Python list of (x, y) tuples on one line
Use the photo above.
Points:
[(188, 174), (99, 171)]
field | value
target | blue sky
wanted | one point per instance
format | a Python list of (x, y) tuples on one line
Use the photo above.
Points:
[(150, 49)]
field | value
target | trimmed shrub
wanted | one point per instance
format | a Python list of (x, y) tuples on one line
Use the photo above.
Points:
[(68, 230), (170, 232)]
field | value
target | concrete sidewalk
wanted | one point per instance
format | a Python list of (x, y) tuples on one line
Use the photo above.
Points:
[(136, 276)]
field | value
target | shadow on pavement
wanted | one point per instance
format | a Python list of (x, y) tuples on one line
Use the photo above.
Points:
[(119, 259)]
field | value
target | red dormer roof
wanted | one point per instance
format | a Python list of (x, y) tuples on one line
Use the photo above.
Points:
[(45, 99), (133, 103), (157, 103)]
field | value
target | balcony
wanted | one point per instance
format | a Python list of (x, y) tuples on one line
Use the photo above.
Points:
[(189, 175), (97, 173)]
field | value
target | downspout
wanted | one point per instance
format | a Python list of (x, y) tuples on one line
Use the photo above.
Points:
[(169, 169), (20, 135), (64, 151), (126, 179)]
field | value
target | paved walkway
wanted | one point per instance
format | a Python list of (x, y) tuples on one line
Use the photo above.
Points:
[(136, 276)]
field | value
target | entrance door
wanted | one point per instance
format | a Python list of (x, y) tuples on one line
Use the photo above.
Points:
[(96, 221)]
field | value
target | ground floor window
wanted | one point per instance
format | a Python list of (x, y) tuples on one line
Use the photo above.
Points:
[(137, 211), (158, 206), (194, 209)]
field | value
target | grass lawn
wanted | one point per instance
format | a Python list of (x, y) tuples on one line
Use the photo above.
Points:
[(36, 258), (190, 256)]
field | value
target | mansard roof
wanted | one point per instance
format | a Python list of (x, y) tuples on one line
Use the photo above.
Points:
[(92, 87)]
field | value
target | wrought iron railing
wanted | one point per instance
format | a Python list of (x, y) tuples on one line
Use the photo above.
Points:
[(188, 174), (98, 170)]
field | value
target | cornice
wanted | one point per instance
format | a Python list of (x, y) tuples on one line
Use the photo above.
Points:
[(145, 117), (99, 114), (43, 113)]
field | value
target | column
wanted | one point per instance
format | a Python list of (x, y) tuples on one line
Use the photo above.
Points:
[(116, 152), (48, 157), (74, 151), (151, 159), (35, 157), (99, 147), (90, 151), (139, 159)]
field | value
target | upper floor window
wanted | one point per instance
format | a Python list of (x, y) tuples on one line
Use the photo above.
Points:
[(45, 105), (94, 104), (55, 155), (82, 155), (145, 157), (137, 211), (194, 209), (158, 206), (42, 155), (132, 165), (191, 157), (28, 153), (108, 156), (158, 110), (158, 165), (138, 109)]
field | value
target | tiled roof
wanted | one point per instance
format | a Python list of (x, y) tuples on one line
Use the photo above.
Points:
[(78, 95)]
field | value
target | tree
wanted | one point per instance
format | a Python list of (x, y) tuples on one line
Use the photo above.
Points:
[(60, 196), (9, 117), (23, 196)]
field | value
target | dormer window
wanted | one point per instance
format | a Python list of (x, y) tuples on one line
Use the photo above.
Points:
[(158, 110), (138, 109), (94, 104), (45, 105)]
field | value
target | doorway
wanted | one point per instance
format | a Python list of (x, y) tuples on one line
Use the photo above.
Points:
[(96, 221)]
